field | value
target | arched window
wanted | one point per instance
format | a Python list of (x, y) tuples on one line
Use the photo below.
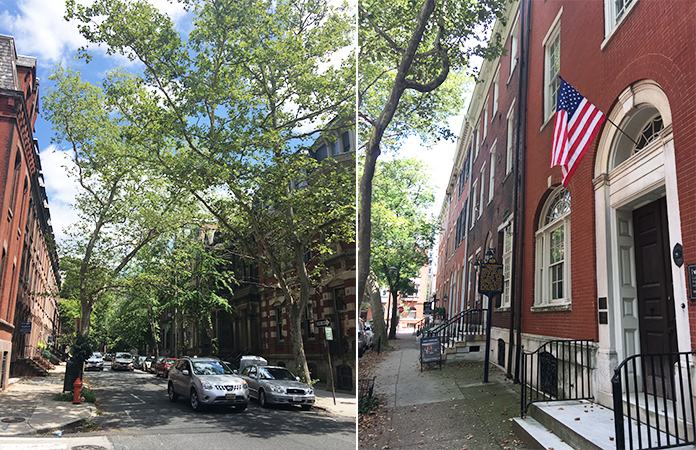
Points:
[(643, 124), (552, 287)]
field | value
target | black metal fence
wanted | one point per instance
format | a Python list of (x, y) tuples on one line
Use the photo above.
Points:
[(469, 322), (654, 401), (558, 370), (365, 387)]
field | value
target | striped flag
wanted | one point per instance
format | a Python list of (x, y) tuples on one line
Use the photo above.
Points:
[(577, 123)]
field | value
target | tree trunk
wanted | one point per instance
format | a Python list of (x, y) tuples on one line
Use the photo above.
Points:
[(394, 316), (85, 319), (378, 325), (297, 343)]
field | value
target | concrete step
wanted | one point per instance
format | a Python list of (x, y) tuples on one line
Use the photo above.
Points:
[(580, 423), (536, 436)]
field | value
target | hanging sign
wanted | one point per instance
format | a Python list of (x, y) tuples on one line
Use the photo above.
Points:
[(25, 328), (491, 278)]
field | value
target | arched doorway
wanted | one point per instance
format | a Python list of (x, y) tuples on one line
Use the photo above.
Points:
[(637, 225)]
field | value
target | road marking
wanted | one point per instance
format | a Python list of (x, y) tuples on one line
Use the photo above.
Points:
[(129, 416), (141, 401)]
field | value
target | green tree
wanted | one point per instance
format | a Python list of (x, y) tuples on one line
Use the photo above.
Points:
[(122, 203), (402, 233), (229, 112), (409, 53)]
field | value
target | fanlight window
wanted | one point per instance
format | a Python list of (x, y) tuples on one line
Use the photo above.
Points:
[(559, 206), (649, 133)]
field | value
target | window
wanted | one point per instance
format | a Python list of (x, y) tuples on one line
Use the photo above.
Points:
[(552, 66), (321, 153), (615, 12), (514, 44), (496, 85), (510, 138), (15, 181), (345, 139), (476, 147), (485, 119), (483, 180), (650, 132), (279, 324), (491, 180), (474, 204), (553, 251), (507, 265)]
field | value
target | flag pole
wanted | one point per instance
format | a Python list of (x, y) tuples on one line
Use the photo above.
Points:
[(609, 120), (624, 133)]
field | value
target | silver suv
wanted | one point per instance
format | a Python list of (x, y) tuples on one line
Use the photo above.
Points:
[(205, 382)]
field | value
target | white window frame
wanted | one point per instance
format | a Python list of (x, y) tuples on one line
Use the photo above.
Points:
[(475, 208), (543, 281), (514, 45), (496, 93), (612, 19), (485, 120), (491, 175), (510, 137), (477, 134), (551, 81), (483, 187), (508, 239)]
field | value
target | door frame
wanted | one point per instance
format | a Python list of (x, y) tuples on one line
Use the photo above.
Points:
[(644, 177)]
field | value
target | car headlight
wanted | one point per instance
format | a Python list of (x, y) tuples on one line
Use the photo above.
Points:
[(245, 385), (277, 389), (205, 385), (310, 392)]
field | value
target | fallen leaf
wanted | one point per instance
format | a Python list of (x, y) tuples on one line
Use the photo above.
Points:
[(470, 436), (611, 438), (577, 418)]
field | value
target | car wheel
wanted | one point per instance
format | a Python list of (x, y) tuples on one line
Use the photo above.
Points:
[(306, 407), (262, 399), (195, 404), (240, 407), (173, 396)]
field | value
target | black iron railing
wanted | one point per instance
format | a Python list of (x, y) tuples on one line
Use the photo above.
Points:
[(558, 370), (654, 401), (469, 322)]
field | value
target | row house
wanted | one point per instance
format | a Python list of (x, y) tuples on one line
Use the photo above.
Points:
[(29, 277), (607, 261)]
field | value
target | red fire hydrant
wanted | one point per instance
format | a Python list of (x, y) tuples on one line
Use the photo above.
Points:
[(77, 396)]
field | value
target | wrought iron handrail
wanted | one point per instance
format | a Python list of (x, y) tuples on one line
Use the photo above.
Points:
[(468, 322), (572, 382), (655, 406)]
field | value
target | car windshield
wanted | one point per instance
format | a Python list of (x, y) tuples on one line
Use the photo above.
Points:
[(123, 356), (96, 356), (210, 368), (275, 373)]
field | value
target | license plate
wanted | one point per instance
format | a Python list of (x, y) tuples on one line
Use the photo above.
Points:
[(230, 396), (297, 399)]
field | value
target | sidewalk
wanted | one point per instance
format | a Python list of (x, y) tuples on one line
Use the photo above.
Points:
[(27, 406), (346, 404), (441, 409)]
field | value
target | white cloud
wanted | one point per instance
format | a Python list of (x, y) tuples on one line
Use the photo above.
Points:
[(60, 189), (40, 30)]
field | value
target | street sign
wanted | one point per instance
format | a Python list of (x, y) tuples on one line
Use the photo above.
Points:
[(323, 322), (401, 309), (329, 333), (430, 351), (25, 328)]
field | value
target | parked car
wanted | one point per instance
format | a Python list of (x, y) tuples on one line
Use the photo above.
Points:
[(248, 360), (206, 382), (138, 362), (362, 338), (369, 334), (163, 367), (108, 356), (147, 363), (277, 385), (122, 361), (95, 362), (154, 364)]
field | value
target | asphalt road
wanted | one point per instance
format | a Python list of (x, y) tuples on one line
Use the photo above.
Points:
[(137, 414)]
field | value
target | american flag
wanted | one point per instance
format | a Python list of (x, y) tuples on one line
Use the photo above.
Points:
[(577, 123)]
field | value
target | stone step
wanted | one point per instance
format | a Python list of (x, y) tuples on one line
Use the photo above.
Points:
[(536, 436)]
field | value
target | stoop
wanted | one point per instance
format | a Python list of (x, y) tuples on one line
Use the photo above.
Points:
[(470, 349)]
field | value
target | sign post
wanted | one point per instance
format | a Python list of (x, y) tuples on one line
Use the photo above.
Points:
[(328, 331), (490, 284)]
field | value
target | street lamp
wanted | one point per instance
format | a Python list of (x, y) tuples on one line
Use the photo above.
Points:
[(390, 272)]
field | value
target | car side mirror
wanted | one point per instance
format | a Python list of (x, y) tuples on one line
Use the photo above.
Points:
[(235, 371), (185, 372)]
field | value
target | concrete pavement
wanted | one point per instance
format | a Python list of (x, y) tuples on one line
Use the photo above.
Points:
[(442, 409)]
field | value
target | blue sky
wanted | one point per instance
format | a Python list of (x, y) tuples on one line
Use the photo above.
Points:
[(40, 31)]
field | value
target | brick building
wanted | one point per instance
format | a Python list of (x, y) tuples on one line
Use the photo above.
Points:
[(28, 265), (605, 259)]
